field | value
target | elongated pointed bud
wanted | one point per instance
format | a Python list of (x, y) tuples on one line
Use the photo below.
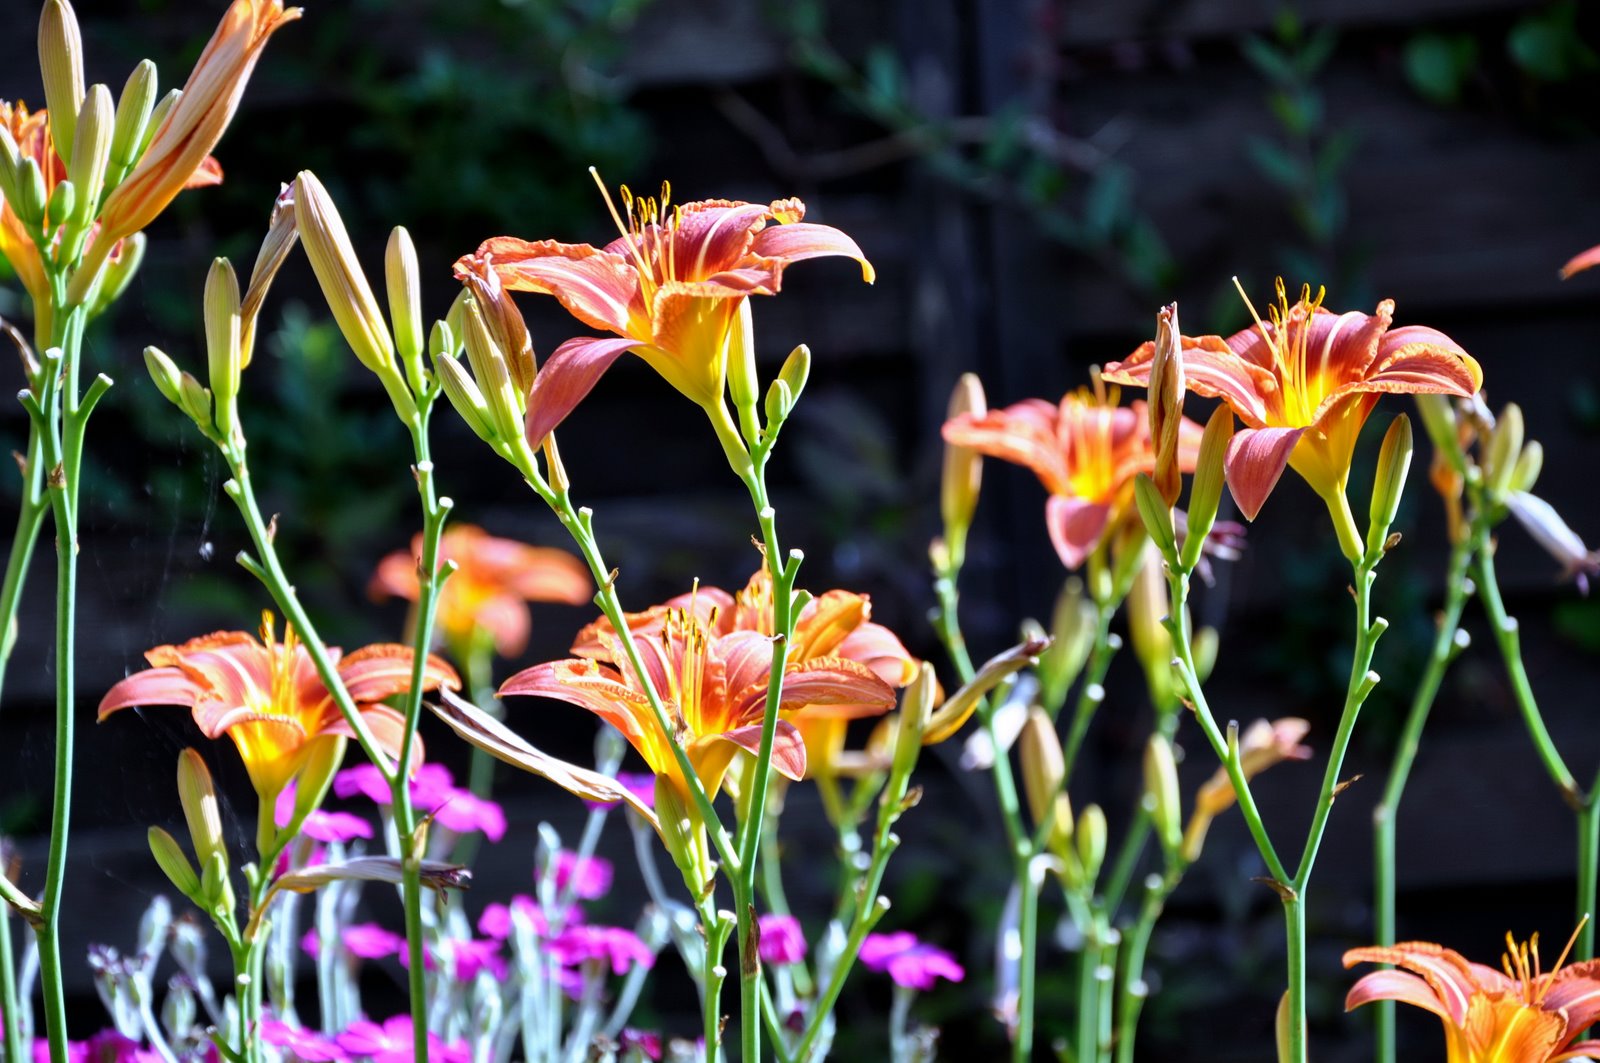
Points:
[(743, 386), (1161, 794), (61, 64), (1389, 485), (216, 892), (164, 372), (1157, 517), (10, 169), (1043, 766), (173, 863), (963, 473), (1072, 636), (1505, 447), (197, 404), (159, 115), (311, 787), (507, 409), (1439, 421), (91, 151), (1529, 464), (465, 398), (1205, 494), (199, 800), (119, 273), (134, 108), (282, 234), (796, 371), (949, 717), (441, 341), (1147, 606), (63, 201), (1091, 839), (224, 356), (1166, 403), (29, 204), (404, 280), (916, 708), (345, 287), (780, 400)]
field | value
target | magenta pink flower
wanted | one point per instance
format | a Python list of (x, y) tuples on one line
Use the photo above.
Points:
[(590, 876), (615, 945), (433, 792), (646, 1041), (391, 1043), (369, 941), (908, 961), (363, 779), (641, 784), (308, 1046), (782, 940)]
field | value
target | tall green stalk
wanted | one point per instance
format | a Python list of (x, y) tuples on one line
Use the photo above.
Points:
[(1384, 817)]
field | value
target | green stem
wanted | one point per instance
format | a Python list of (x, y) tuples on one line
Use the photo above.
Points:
[(1088, 1014), (1294, 919), (1588, 858), (63, 451), (1092, 691), (1508, 636), (1384, 817), (430, 579), (1132, 991), (778, 899), (1027, 962)]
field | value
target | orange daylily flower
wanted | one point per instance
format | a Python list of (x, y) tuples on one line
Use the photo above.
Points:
[(836, 624), (1579, 263), (178, 153), (494, 580), (1085, 449), (1304, 382), (1519, 1014), (268, 698), (713, 677), (669, 288)]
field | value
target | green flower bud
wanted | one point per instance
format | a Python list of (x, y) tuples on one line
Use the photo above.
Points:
[(780, 400), (224, 355), (404, 280), (1394, 462), (61, 64), (1505, 447), (1043, 766), (157, 116), (1091, 838), (1161, 793), (199, 800), (1529, 464), (62, 203), (91, 152), (133, 115), (465, 397), (441, 340), (743, 385), (173, 863), (1072, 634), (165, 373), (1205, 494), (30, 204), (119, 273), (963, 472), (493, 375), (796, 371), (1157, 516)]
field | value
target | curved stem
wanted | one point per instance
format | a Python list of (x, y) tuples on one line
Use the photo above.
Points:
[(1384, 816), (1027, 965)]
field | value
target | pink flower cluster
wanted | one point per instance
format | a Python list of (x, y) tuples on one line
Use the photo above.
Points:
[(911, 963), (433, 793)]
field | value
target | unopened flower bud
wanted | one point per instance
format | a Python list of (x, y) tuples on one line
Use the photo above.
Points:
[(949, 717), (199, 800), (404, 280), (916, 708), (282, 234), (224, 358), (134, 107), (778, 404), (63, 200), (1091, 838), (173, 863), (163, 108), (465, 397), (178, 1010), (345, 287), (119, 273), (1043, 766), (29, 204), (1439, 421), (1205, 494), (441, 341), (507, 409), (796, 371), (10, 168), (91, 151), (963, 473), (1204, 646), (1147, 606), (196, 402), (1540, 520), (165, 373), (1505, 447), (216, 892), (1072, 635), (1161, 791), (1166, 404), (1529, 464), (311, 785), (1157, 516), (61, 64), (153, 927), (743, 385), (1394, 462)]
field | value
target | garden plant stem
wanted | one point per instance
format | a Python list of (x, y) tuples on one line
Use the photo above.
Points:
[(1384, 817)]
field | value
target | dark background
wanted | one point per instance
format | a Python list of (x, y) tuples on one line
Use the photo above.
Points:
[(1031, 181)]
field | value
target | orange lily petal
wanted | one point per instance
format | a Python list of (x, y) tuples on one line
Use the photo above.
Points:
[(388, 730), (1211, 368), (798, 241), (598, 689), (788, 748), (881, 650), (153, 686), (1402, 986), (1445, 970), (382, 670), (1256, 459), (597, 287), (826, 622), (1579, 263), (569, 375), (1023, 433), (1075, 527)]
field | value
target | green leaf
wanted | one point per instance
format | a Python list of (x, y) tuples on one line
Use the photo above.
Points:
[(1107, 200), (1268, 59), (1317, 51), (1276, 164), (1433, 65)]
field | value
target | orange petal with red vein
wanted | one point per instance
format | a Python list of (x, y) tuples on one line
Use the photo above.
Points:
[(788, 748), (1256, 459), (569, 375), (382, 670), (798, 241), (153, 686), (1402, 986), (388, 729), (1581, 262), (596, 287)]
